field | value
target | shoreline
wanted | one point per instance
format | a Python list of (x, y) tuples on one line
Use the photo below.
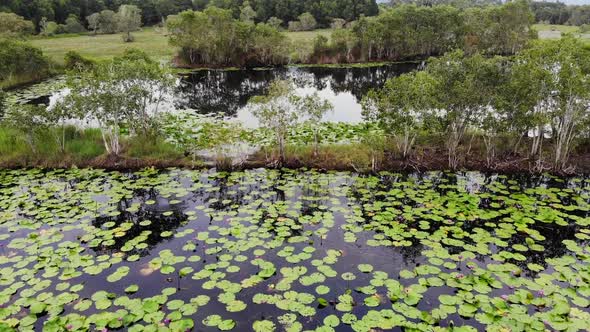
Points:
[(516, 166)]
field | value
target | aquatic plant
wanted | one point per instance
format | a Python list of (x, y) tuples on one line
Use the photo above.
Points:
[(291, 250)]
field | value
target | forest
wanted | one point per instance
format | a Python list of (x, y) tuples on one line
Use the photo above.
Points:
[(154, 11)]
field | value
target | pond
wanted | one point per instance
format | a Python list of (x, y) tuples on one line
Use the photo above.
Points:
[(292, 250), (227, 91)]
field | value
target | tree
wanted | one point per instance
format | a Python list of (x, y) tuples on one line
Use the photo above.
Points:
[(308, 22), (21, 60), (403, 107), (315, 108), (247, 14), (463, 92), (295, 26), (338, 23), (213, 37), (277, 112), (108, 22), (164, 8), (93, 22), (48, 28), (122, 93), (73, 25), (128, 20), (275, 22), (12, 25), (556, 95), (29, 119)]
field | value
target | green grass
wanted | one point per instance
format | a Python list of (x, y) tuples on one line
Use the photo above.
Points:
[(556, 27), (554, 31), (306, 37), (153, 41)]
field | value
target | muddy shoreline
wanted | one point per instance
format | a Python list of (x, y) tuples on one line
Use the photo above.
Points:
[(508, 165)]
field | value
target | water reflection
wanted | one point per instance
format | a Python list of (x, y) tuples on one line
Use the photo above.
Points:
[(228, 92)]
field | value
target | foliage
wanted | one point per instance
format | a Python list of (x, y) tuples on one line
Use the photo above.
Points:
[(74, 60), (49, 28), (308, 22), (29, 119), (20, 59), (73, 25), (550, 85), (107, 22), (315, 108), (550, 12), (409, 32), (122, 93), (213, 37), (155, 11), (519, 269), (276, 112), (128, 20), (12, 25), (247, 14), (93, 22), (464, 91), (275, 22), (403, 107)]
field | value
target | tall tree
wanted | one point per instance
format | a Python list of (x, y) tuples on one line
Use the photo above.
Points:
[(552, 76), (128, 20), (403, 107)]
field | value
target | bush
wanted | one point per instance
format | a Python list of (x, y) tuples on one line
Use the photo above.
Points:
[(12, 25), (21, 60), (73, 25), (49, 28), (74, 60), (308, 22), (295, 26), (208, 37)]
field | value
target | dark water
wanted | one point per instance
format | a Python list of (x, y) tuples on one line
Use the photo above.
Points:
[(393, 222), (227, 91)]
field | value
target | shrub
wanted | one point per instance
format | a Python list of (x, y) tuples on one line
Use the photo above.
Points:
[(74, 60), (73, 25), (12, 25), (20, 59)]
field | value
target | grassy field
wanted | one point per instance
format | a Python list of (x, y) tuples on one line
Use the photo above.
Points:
[(151, 40), (553, 31)]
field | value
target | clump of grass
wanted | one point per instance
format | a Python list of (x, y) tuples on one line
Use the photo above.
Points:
[(84, 145), (334, 157), (152, 147)]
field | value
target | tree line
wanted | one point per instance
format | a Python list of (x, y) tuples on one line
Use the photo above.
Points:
[(535, 104), (560, 13), (155, 11), (410, 31), (214, 37)]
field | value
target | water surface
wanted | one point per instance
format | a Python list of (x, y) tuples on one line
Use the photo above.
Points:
[(298, 250), (227, 92)]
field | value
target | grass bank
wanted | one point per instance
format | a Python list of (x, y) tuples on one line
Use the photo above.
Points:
[(84, 148)]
